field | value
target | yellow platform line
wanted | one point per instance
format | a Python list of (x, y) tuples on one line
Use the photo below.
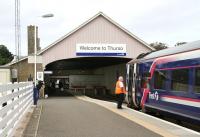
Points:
[(141, 122)]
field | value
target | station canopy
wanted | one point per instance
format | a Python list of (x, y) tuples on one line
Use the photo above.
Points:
[(85, 63)]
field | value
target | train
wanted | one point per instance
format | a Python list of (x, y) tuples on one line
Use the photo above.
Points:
[(166, 82)]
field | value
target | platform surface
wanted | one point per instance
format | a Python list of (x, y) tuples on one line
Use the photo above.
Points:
[(86, 117)]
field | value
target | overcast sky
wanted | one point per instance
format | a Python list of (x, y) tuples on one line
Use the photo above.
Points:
[(167, 21)]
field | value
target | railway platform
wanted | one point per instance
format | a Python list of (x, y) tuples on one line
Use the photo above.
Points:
[(82, 116)]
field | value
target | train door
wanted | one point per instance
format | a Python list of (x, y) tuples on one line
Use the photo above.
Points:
[(129, 84), (132, 86)]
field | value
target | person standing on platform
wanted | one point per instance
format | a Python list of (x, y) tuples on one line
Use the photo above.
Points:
[(36, 92), (35, 95), (39, 86), (120, 92)]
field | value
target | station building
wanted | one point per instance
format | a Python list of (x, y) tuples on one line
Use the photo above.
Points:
[(91, 56), (4, 74)]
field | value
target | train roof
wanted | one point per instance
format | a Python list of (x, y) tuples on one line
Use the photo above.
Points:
[(174, 50), (170, 51)]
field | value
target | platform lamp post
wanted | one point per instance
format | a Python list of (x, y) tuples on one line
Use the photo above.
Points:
[(35, 46)]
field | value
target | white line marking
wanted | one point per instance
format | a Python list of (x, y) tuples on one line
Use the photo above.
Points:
[(182, 102), (38, 122)]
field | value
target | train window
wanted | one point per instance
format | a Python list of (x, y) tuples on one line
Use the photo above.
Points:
[(180, 80), (197, 80), (159, 80)]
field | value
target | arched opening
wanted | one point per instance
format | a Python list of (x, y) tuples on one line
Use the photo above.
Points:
[(87, 75)]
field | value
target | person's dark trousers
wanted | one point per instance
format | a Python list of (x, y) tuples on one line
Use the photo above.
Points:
[(120, 99), (35, 95)]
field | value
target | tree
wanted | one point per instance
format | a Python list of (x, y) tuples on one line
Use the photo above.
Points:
[(159, 45), (5, 55), (179, 43)]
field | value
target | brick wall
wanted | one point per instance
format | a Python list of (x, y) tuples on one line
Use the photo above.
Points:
[(31, 39), (25, 69)]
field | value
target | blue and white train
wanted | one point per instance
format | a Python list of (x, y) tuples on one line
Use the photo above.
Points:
[(167, 82)]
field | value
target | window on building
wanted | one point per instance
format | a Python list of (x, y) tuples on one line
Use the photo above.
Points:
[(180, 79), (197, 80), (159, 80)]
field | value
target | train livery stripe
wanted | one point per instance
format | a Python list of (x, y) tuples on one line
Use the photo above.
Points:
[(185, 67), (182, 101), (172, 58), (144, 97)]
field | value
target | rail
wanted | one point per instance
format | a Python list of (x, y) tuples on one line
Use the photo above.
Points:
[(15, 99)]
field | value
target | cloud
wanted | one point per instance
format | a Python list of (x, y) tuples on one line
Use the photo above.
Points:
[(166, 21)]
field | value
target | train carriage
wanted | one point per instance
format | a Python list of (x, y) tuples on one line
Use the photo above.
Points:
[(167, 81)]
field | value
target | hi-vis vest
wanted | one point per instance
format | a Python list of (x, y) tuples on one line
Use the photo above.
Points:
[(118, 89)]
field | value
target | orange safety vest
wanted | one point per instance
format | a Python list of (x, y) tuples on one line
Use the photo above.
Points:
[(118, 89)]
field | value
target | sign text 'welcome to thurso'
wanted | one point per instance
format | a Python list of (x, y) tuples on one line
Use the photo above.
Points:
[(101, 49)]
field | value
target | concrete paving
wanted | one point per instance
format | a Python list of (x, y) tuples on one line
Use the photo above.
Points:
[(162, 127), (32, 126), (71, 117), (19, 130)]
